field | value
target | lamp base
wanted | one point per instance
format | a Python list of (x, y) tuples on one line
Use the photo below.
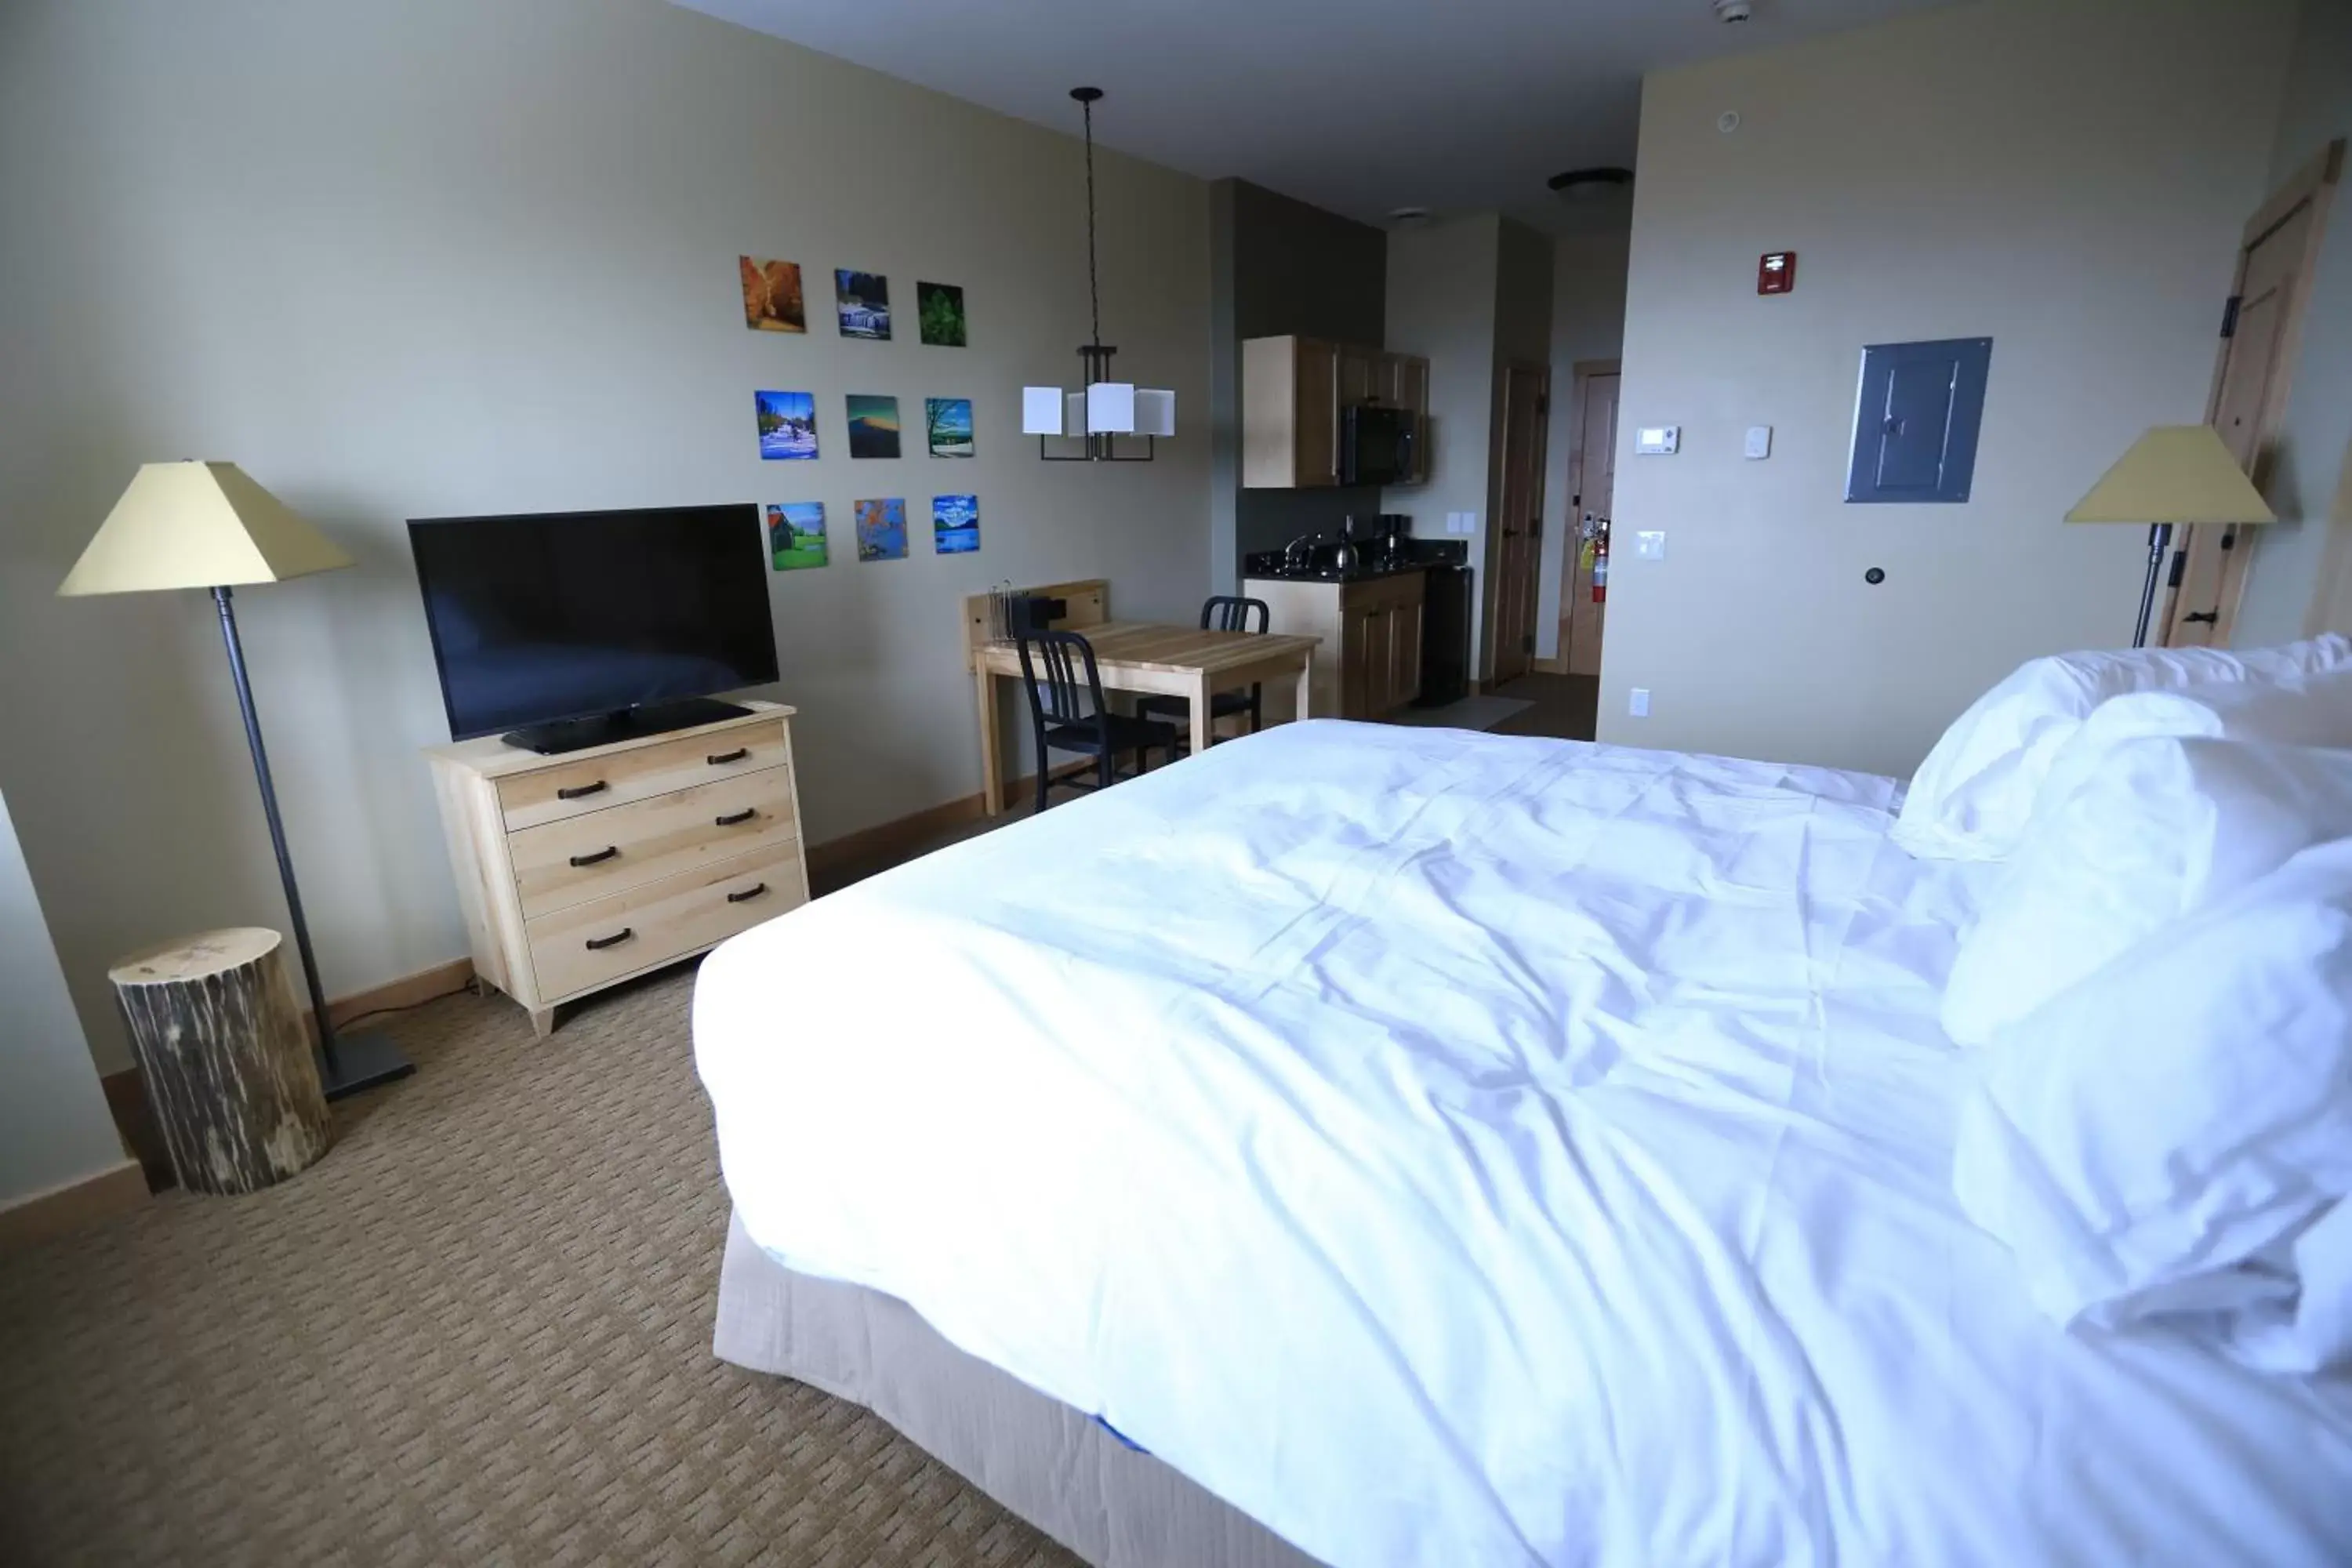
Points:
[(363, 1060)]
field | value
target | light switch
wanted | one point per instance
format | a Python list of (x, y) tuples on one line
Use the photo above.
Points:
[(1759, 441), (1637, 702), (1657, 440), (1650, 544)]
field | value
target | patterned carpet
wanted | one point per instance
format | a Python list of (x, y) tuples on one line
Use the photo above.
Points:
[(477, 1331)]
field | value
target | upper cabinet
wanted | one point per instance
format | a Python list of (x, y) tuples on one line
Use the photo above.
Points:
[(1293, 392)]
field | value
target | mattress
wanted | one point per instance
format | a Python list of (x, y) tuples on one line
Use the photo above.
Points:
[(1456, 1148)]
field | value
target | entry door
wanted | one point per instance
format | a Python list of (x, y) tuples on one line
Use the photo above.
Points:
[(2250, 387), (1518, 545), (1580, 612)]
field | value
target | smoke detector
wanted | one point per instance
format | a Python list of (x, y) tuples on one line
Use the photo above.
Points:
[(1733, 10)]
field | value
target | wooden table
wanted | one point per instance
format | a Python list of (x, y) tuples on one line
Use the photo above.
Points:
[(1132, 656)]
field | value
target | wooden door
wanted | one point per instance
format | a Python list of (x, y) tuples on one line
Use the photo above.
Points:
[(1593, 482), (1516, 546), (1404, 652), (2260, 329), (1359, 676), (1318, 434)]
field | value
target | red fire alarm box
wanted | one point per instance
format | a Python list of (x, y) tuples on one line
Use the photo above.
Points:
[(1776, 272)]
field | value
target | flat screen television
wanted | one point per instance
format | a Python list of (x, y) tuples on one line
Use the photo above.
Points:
[(570, 629)]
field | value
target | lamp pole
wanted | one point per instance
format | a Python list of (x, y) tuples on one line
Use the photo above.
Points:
[(357, 1062)]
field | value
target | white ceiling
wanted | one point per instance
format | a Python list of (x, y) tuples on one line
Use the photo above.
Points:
[(1359, 107)]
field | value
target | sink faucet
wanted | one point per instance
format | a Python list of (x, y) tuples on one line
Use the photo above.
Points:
[(1299, 553)]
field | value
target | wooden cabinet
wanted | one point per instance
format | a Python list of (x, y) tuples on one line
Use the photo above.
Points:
[(1371, 636), (1293, 390), (580, 870)]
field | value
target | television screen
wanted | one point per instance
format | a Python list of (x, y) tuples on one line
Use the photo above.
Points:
[(568, 614)]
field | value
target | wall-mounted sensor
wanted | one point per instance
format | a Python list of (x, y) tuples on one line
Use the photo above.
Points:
[(1657, 440), (1733, 10), (1727, 121)]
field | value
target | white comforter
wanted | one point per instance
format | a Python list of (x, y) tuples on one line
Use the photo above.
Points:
[(1451, 1149)]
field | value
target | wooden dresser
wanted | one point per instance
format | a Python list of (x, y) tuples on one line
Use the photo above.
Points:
[(578, 871)]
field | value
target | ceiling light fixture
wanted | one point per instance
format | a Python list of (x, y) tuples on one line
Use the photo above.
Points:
[(1588, 184), (1402, 215), (1106, 409)]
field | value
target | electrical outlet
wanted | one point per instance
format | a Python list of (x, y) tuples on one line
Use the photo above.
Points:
[(1650, 544), (1637, 702)]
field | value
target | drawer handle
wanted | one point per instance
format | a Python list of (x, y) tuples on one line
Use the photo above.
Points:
[(579, 791), (607, 852), (747, 895), (720, 759), (746, 814), (622, 935)]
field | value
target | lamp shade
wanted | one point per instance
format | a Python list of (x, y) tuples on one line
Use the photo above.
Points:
[(197, 525), (2175, 473)]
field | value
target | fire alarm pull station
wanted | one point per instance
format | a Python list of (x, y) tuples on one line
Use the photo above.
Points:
[(1776, 272)]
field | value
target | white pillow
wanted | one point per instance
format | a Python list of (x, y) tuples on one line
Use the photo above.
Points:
[(2312, 1331), (2189, 1108), (2126, 836), (1970, 798)]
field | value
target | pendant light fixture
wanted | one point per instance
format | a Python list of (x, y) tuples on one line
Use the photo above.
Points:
[(1106, 409)]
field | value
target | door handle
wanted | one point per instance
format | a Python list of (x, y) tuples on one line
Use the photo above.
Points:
[(2204, 618)]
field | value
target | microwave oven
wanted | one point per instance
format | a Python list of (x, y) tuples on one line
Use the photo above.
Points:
[(1375, 445)]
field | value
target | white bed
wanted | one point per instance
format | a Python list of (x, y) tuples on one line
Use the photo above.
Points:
[(1448, 1148)]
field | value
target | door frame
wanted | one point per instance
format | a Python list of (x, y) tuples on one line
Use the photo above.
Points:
[(1497, 478), (2313, 184), (1580, 377)]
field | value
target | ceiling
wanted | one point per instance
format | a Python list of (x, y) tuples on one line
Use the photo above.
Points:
[(1453, 105)]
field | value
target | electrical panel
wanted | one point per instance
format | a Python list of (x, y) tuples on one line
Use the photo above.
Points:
[(1915, 419)]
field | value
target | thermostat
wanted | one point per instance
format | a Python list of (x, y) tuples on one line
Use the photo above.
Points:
[(1658, 440)]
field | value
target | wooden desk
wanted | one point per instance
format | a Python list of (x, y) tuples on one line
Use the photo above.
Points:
[(1132, 656)]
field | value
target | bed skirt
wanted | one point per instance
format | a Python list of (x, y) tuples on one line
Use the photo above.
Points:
[(1060, 1470)]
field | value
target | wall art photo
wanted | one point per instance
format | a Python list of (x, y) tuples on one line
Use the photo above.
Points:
[(939, 313), (881, 529), (772, 295), (955, 524), (787, 425), (873, 426), (796, 534), (947, 423), (863, 300)]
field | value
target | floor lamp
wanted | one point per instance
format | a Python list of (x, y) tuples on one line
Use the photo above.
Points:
[(206, 525), (2173, 474)]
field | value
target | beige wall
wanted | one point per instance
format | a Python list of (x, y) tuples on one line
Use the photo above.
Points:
[(2307, 465), (2066, 176), (1588, 322), (435, 258), (54, 1125)]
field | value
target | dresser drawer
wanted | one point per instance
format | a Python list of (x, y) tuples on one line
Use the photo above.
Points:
[(613, 778), (559, 864), (590, 944)]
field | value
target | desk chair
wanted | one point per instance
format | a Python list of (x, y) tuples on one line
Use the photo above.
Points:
[(1065, 715), (1225, 613)]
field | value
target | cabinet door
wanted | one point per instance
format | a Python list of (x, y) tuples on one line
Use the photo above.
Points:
[(1358, 674), (1409, 376), (1404, 653), (1379, 659), (1360, 377), (1319, 414)]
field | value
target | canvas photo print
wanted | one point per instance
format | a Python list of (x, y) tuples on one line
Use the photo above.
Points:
[(863, 300), (881, 529), (947, 422), (873, 426), (938, 314), (787, 425), (772, 295), (796, 534), (955, 524)]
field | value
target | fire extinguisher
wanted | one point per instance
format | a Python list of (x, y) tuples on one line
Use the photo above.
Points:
[(1601, 560)]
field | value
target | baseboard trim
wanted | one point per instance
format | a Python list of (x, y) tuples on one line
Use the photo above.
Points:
[(408, 991), (837, 862), (71, 1205)]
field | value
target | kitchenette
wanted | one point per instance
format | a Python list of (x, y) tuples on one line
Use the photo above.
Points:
[(1393, 610)]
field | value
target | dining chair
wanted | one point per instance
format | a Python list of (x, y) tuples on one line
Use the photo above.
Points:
[(1066, 712), (1222, 613)]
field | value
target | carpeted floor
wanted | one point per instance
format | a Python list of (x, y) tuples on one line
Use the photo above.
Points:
[(477, 1331)]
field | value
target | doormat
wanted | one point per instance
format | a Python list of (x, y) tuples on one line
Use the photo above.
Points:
[(1480, 712)]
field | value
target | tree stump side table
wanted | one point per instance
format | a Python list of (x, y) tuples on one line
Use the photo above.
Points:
[(226, 1057)]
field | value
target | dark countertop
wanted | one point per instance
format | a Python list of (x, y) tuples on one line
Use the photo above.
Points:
[(1330, 574), (1265, 567)]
